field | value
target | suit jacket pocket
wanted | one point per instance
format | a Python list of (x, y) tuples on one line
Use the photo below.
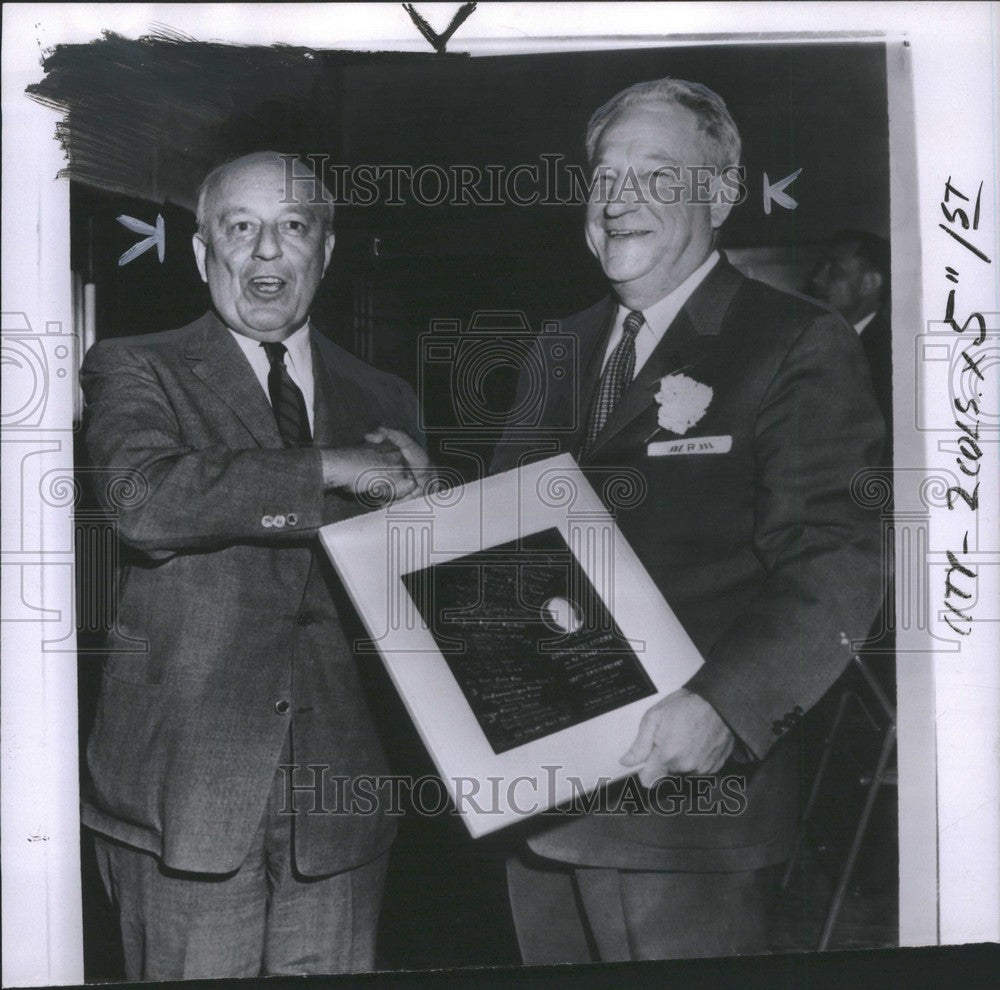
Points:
[(126, 753)]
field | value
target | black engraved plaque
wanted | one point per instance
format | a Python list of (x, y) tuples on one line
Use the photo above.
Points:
[(528, 639)]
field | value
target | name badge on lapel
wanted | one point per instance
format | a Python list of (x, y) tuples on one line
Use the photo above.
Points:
[(694, 445)]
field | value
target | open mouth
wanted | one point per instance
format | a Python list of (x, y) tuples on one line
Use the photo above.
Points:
[(267, 285)]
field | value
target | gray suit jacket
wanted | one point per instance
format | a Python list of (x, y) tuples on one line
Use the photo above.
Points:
[(768, 560), (236, 609)]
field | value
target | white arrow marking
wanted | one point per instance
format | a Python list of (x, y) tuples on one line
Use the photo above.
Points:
[(778, 194), (157, 236)]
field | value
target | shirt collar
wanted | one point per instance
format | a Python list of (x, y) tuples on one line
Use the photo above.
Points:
[(297, 345), (660, 315), (864, 321)]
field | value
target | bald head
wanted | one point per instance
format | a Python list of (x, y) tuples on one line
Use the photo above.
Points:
[(307, 188), (262, 246)]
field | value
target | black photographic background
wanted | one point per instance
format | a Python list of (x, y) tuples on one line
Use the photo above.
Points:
[(146, 119)]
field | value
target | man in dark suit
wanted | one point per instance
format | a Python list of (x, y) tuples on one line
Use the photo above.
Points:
[(756, 543), (853, 277), (241, 435)]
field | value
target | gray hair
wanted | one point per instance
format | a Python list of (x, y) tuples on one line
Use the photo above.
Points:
[(210, 184), (714, 119)]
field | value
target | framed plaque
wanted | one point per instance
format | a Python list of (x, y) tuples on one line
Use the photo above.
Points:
[(522, 632)]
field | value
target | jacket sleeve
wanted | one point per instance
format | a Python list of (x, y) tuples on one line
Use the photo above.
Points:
[(180, 497), (405, 411), (817, 426)]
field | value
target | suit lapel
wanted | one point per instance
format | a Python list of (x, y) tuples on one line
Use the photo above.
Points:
[(332, 418), (679, 348), (687, 344), (218, 361)]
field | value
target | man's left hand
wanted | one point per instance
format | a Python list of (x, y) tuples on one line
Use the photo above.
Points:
[(682, 733), (416, 458)]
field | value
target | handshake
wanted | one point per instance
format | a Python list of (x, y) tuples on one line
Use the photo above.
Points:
[(390, 463)]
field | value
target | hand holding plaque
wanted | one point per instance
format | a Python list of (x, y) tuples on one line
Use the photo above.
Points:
[(682, 733), (515, 605)]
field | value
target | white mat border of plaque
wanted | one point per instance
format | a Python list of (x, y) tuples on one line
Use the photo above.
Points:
[(373, 550)]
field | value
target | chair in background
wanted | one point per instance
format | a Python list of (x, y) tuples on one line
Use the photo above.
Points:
[(883, 774)]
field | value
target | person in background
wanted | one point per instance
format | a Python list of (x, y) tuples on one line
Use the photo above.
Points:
[(853, 277)]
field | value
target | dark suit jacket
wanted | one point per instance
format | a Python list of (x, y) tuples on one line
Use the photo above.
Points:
[(237, 614), (876, 340), (769, 563)]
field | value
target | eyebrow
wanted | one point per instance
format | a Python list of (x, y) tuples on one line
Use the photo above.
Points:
[(656, 158), (293, 211)]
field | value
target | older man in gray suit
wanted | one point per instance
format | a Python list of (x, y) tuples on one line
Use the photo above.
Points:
[(748, 528), (245, 431)]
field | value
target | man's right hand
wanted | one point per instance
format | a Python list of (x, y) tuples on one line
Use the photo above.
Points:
[(369, 467)]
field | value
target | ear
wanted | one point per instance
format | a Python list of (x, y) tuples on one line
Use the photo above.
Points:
[(721, 203), (720, 211), (328, 241), (200, 248)]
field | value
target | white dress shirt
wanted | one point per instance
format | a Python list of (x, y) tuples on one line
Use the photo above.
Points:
[(298, 361), (659, 316), (864, 321)]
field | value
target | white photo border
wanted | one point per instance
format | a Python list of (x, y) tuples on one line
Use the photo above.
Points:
[(942, 55)]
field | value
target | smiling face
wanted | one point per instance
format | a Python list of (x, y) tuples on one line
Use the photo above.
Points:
[(262, 259), (647, 238)]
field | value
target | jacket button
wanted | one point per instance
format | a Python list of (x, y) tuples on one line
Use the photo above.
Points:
[(282, 707), (306, 619), (279, 521), (267, 521), (292, 519), (777, 728)]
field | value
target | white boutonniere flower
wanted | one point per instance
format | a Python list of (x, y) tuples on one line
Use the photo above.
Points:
[(683, 402)]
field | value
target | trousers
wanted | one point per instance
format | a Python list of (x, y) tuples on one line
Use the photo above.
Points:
[(264, 919), (576, 914)]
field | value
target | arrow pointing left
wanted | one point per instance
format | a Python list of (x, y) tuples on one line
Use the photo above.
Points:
[(776, 191), (156, 235)]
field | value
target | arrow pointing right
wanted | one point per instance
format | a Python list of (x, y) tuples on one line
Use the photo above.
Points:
[(157, 237), (776, 192)]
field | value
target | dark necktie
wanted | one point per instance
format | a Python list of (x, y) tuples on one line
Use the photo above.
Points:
[(615, 379), (286, 398)]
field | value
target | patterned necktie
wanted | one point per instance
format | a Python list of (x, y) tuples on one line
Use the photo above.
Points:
[(286, 398), (615, 379)]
